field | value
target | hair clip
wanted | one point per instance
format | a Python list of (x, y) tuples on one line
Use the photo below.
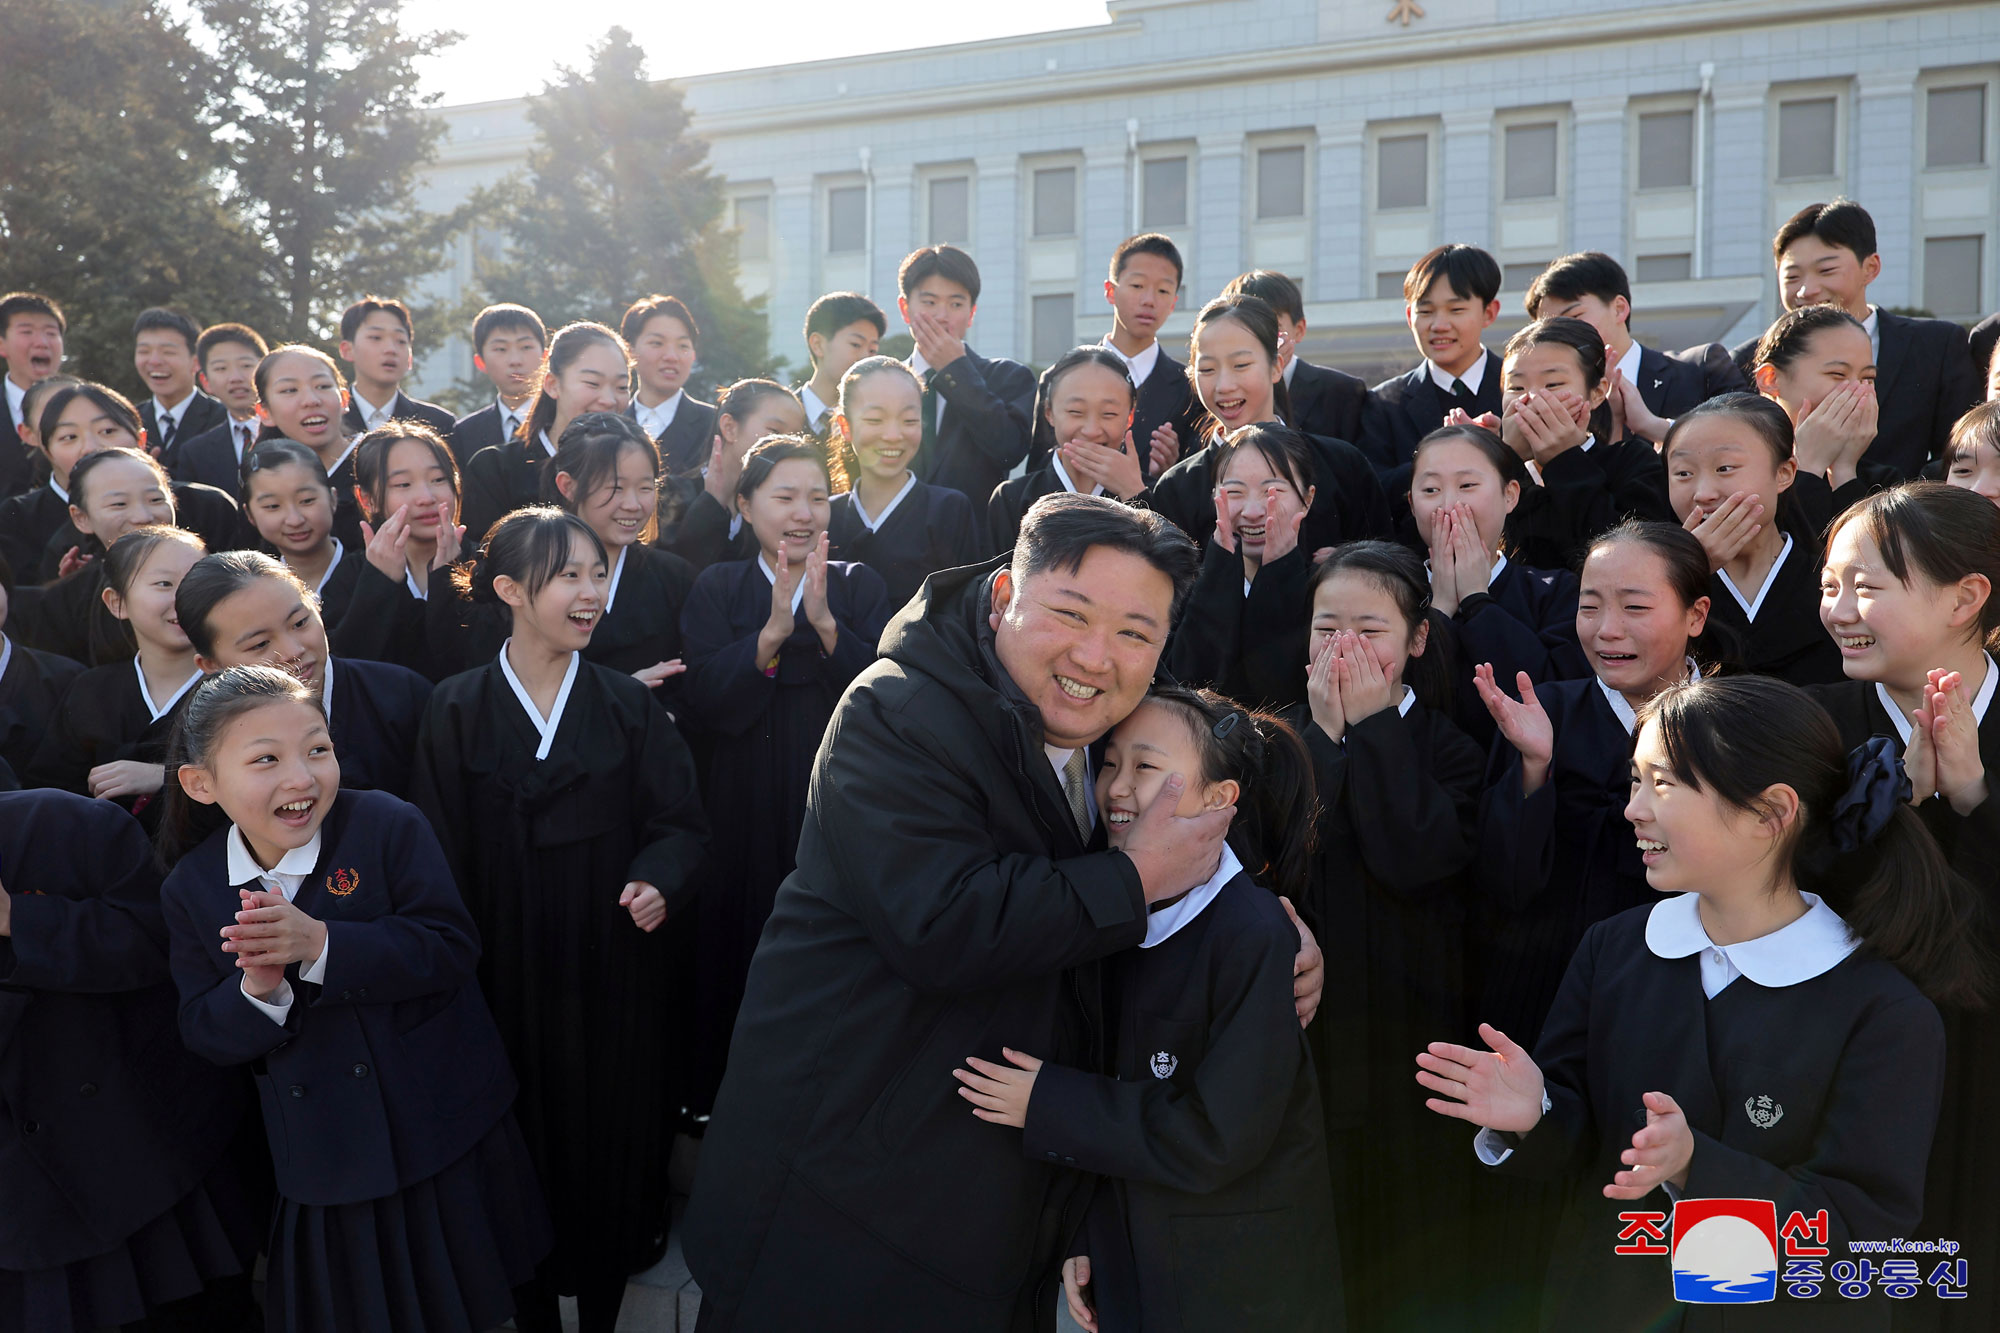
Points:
[(1222, 728)]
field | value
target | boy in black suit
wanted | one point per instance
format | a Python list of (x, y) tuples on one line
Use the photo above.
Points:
[(841, 329), (665, 344), (508, 344), (31, 342), (163, 352), (1325, 401), (227, 355), (976, 410), (1648, 388), (377, 341), (1924, 376), (1451, 296)]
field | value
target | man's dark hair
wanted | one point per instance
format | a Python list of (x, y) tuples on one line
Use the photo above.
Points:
[(1468, 270), (1273, 288), (939, 261), (173, 321), (1148, 243), (29, 303), (649, 308), (507, 316), (836, 310), (1843, 223), (350, 318), (1573, 277), (1058, 531), (215, 335)]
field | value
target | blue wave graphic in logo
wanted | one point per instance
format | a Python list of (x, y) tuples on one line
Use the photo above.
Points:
[(1710, 1289)]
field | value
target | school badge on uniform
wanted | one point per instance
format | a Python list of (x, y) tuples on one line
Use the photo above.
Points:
[(341, 883), (1763, 1112), (1164, 1064)]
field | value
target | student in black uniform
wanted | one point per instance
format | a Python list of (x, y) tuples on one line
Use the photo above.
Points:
[(666, 343), (1324, 401), (30, 520), (978, 411), (841, 329), (407, 483), (699, 521), (228, 356), (377, 338), (1766, 1032), (1554, 416), (318, 939), (902, 528), (288, 499), (302, 397), (31, 342), (567, 807), (508, 344), (1816, 363), (112, 492), (127, 1204), (1972, 459), (1464, 487), (587, 370), (31, 681), (109, 734), (1235, 354), (1398, 792), (1212, 1109), (1087, 403), (1450, 298), (771, 643), (163, 353), (243, 608)]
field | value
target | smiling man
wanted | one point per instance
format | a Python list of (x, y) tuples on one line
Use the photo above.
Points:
[(952, 897)]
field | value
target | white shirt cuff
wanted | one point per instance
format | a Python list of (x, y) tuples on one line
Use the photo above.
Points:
[(315, 971), (1491, 1148), (279, 1007)]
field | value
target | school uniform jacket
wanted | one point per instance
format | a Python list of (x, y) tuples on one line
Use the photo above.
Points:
[(28, 523), (699, 532), (17, 460), (1786, 639), (385, 622), (915, 932), (106, 1119), (931, 528), (499, 479), (1924, 382), (1010, 503), (1164, 399), (405, 408), (1854, 1059), (1348, 503), (211, 457), (1525, 621), (101, 719), (1401, 411), (203, 414), (1671, 383), (374, 714), (689, 438), (984, 433), (1985, 334), (1582, 493), (1327, 402), (30, 688), (390, 1069), (473, 432), (1251, 646)]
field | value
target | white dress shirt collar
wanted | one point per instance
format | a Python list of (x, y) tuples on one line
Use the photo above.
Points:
[(291, 872), (1874, 326), (545, 726), (1141, 366), (6, 653), (510, 419), (1474, 376), (1980, 702), (657, 419), (331, 565), (1752, 605), (1799, 951), (1161, 925), (1627, 715), (162, 414), (798, 593), (819, 414), (923, 369), (371, 415), (15, 393), (63, 494), (1062, 474), (1628, 364)]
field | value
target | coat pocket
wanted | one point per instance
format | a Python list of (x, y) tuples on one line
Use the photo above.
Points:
[(1167, 1048)]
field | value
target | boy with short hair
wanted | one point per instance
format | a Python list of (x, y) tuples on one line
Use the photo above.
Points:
[(1450, 297), (226, 356), (31, 343), (976, 410), (1648, 388), (841, 329), (509, 343), (666, 343), (163, 352), (1324, 401), (377, 341)]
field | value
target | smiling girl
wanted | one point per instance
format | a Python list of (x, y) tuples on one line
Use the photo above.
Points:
[(301, 396), (112, 492), (406, 481), (1972, 459), (290, 501), (1087, 400), (698, 517), (30, 520)]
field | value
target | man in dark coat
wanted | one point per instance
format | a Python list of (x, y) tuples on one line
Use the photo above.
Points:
[(952, 897)]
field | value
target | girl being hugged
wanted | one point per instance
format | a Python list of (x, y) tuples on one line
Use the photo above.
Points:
[(1774, 1017), (1087, 398), (301, 397), (406, 481), (771, 643), (699, 521), (902, 528), (1212, 1112), (567, 807), (318, 938), (289, 500), (111, 492)]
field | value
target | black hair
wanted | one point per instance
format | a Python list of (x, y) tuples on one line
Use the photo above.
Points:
[(740, 400), (1281, 447), (1979, 426), (1273, 288), (90, 463), (1945, 533), (37, 394), (1760, 414), (649, 308), (1469, 271), (530, 546), (939, 261), (1397, 571), (843, 464), (1059, 530), (216, 335), (215, 578), (1679, 550), (570, 342), (6, 583), (172, 321), (29, 303), (1739, 736), (1510, 465), (262, 376), (1091, 354), (213, 705), (588, 455), (350, 318), (270, 455), (1587, 343), (1148, 243), (1791, 333), (1573, 277), (1843, 223), (371, 461), (767, 453), (1277, 809), (108, 400), (1262, 323), (836, 310), (496, 318), (123, 561)]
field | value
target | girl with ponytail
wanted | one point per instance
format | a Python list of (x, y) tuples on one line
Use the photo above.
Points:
[(1774, 1017), (1215, 1211)]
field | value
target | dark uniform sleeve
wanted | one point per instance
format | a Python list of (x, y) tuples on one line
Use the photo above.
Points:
[(994, 405), (1563, 1140)]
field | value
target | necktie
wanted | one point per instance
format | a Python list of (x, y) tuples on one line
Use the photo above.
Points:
[(1077, 791), (166, 430), (927, 451), (1465, 397), (243, 434), (820, 421)]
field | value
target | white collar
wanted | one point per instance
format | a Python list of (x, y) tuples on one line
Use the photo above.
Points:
[(1059, 760), (617, 568), (326, 689), (1796, 952), (1408, 701), (1628, 364), (369, 412), (331, 565), (417, 590), (1062, 474), (1751, 606), (61, 492), (923, 369), (546, 726), (162, 412), (158, 711), (657, 419), (15, 393), (238, 430), (291, 871), (6, 653), (548, 445), (1874, 326), (875, 524), (1980, 701), (344, 455), (1627, 715), (918, 364), (1473, 378), (815, 406), (1492, 570), (798, 593), (1291, 368), (1140, 366), (1162, 924), (510, 419)]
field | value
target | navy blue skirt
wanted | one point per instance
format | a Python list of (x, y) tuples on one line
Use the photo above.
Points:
[(442, 1256)]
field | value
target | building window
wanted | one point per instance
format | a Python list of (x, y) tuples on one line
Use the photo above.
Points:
[(1530, 161), (951, 210), (1806, 138), (1164, 192), (1389, 286), (1952, 280), (1955, 127), (1402, 174), (847, 219), (1055, 201), (1052, 327), (1663, 268), (1281, 183), (753, 228), (1519, 277), (1666, 150)]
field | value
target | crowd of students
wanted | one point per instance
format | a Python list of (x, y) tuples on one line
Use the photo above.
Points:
[(1446, 643)]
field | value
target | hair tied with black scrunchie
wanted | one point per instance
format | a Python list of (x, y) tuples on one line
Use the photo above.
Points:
[(1876, 786)]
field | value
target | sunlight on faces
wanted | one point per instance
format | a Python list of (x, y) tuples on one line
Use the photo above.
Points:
[(267, 623), (303, 399), (1233, 374), (1082, 644), (939, 296), (1715, 457), (83, 429), (1811, 272), (789, 511), (1631, 621), (1092, 403), (273, 772), (511, 358), (380, 350), (1690, 839), (774, 414), (290, 509), (121, 494), (230, 373), (836, 353), (1458, 472), (1357, 603), (1833, 357), (1976, 469), (33, 346), (623, 503), (1888, 631), (165, 364), (1144, 292), (148, 604), (884, 424), (563, 612), (1546, 368), (1448, 326), (1264, 496), (595, 381), (413, 476), (664, 355), (1607, 317), (1156, 741)]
